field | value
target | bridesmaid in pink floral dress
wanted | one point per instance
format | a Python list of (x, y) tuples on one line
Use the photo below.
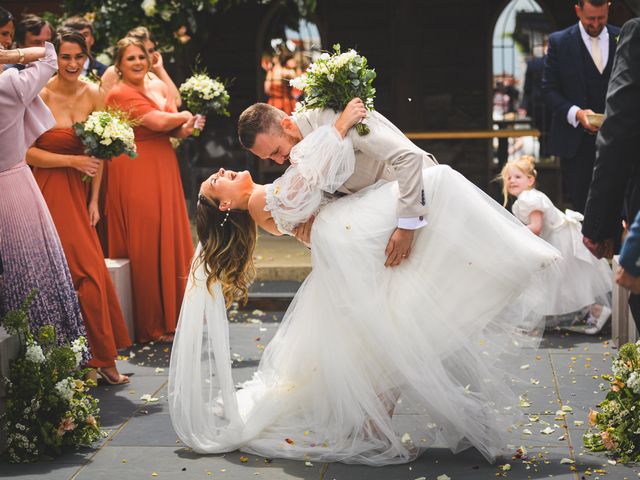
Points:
[(30, 249)]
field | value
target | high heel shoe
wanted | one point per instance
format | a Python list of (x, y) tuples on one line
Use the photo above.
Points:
[(121, 380), (602, 320)]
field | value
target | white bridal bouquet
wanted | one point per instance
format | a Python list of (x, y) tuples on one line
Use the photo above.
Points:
[(334, 80), (107, 134), (202, 94)]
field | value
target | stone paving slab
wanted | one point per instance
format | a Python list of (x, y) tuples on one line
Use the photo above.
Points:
[(125, 463), (140, 439)]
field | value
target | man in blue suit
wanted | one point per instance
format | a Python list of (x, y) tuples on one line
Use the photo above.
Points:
[(576, 73)]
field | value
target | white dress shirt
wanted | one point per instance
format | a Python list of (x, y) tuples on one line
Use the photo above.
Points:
[(603, 40)]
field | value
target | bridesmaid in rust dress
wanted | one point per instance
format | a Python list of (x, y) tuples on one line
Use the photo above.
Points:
[(146, 213), (59, 165)]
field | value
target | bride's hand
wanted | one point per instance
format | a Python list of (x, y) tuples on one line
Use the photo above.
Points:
[(303, 231), (353, 113)]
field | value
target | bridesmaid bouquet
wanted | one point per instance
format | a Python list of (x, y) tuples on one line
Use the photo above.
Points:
[(202, 94), (106, 134), (334, 80), (617, 424)]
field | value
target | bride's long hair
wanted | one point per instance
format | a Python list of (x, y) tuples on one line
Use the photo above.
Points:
[(228, 243)]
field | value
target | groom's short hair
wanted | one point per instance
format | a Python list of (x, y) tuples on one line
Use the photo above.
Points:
[(258, 118)]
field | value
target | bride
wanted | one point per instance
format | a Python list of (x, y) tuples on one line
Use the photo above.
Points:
[(370, 364)]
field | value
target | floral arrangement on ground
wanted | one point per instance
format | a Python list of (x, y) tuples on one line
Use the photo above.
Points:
[(48, 407), (617, 422)]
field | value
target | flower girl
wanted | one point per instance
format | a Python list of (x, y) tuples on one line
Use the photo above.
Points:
[(586, 281)]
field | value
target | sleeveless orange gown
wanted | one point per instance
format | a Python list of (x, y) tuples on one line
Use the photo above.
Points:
[(147, 221), (66, 196)]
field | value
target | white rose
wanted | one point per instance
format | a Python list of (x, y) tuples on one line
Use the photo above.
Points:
[(149, 7)]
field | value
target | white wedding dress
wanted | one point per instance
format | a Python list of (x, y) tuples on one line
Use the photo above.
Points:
[(360, 341)]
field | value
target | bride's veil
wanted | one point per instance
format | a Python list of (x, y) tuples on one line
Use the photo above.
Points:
[(200, 370)]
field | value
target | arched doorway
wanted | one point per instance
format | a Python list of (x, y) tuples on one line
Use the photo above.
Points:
[(519, 41), (518, 49)]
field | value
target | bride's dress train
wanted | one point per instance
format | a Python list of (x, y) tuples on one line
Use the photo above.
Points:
[(361, 342)]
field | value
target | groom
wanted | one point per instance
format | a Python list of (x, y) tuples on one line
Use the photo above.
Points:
[(384, 154)]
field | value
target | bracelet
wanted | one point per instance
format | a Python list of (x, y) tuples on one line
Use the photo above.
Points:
[(20, 55)]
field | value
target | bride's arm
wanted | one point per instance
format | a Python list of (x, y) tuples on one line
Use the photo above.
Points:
[(262, 217)]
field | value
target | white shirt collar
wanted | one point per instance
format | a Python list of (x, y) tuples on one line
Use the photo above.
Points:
[(585, 36)]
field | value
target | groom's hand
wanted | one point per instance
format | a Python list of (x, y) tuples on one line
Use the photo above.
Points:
[(399, 247), (303, 231)]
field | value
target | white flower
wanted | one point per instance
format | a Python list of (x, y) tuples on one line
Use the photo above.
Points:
[(149, 7), (34, 353), (633, 382), (166, 14), (65, 388), (299, 82), (331, 77), (79, 346)]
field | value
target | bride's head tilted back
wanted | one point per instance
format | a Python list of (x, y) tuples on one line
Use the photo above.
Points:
[(228, 242)]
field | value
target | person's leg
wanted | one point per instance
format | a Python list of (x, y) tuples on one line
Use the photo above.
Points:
[(634, 305), (578, 171)]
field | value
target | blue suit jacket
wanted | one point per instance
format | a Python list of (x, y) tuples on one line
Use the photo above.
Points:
[(630, 254), (564, 85)]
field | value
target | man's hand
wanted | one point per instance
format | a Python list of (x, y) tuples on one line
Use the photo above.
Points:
[(399, 247), (626, 280), (581, 116), (353, 113), (602, 249), (303, 231)]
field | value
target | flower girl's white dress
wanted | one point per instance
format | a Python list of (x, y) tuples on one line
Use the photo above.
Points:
[(584, 279), (360, 341)]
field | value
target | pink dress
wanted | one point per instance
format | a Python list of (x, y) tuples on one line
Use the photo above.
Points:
[(30, 251)]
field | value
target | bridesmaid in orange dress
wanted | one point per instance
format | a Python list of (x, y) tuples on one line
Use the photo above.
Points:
[(59, 164), (146, 213)]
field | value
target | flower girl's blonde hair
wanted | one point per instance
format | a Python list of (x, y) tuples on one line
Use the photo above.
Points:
[(526, 164)]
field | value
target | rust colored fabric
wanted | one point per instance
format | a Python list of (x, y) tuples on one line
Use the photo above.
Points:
[(66, 196), (147, 221), (281, 96)]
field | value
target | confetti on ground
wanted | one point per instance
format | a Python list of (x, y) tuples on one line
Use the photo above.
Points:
[(524, 367), (547, 431), (148, 398), (244, 459)]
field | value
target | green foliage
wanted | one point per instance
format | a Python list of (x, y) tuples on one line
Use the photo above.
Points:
[(48, 408), (617, 423), (171, 22)]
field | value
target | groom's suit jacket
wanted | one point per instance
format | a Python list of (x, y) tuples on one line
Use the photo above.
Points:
[(615, 185), (384, 154)]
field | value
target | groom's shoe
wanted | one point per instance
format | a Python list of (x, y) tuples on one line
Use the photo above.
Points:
[(602, 320)]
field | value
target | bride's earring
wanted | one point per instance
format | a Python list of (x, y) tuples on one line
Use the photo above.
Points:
[(226, 217)]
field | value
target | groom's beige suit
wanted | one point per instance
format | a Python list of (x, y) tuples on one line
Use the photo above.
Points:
[(384, 154)]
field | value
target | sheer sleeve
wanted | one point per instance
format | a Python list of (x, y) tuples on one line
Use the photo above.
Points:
[(320, 163), (530, 201)]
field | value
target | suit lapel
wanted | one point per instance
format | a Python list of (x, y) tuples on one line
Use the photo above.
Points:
[(612, 45), (575, 50)]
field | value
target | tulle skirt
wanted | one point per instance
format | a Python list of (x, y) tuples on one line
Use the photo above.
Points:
[(583, 279), (371, 364)]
